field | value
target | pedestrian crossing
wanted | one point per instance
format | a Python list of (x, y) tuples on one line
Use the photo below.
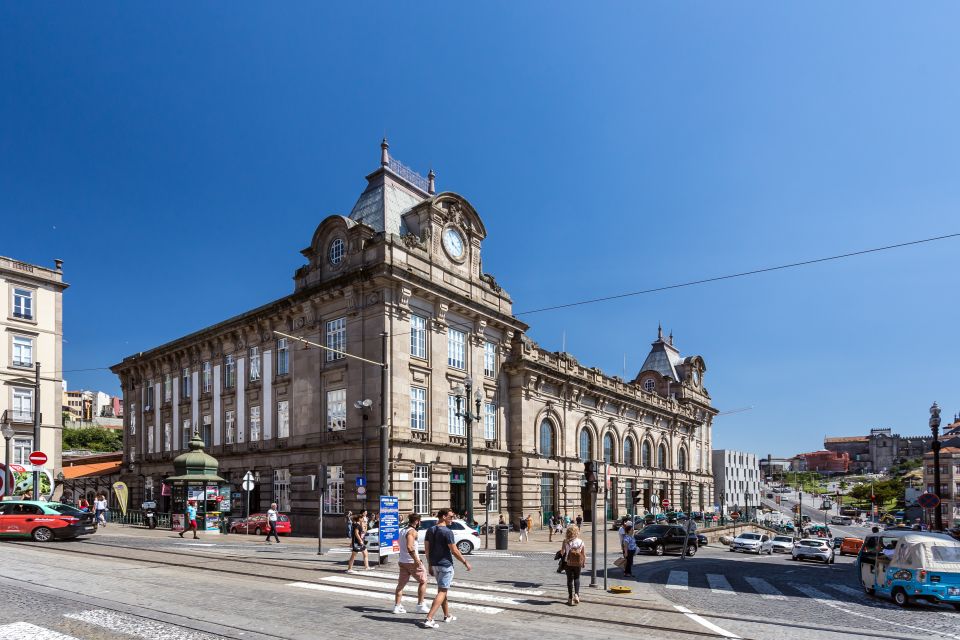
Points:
[(720, 585), (92, 624)]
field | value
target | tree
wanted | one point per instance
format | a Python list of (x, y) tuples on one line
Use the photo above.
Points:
[(92, 439)]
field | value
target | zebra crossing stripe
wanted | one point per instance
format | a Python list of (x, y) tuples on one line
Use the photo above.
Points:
[(21, 630), (460, 595), (137, 626), (461, 584), (850, 591), (718, 584), (383, 595), (678, 580), (766, 590)]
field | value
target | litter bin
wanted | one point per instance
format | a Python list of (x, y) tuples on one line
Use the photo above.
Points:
[(503, 535)]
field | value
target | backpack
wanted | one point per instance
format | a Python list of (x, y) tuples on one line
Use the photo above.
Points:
[(576, 557), (523, 523)]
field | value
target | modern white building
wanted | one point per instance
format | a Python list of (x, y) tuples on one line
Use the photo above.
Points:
[(736, 479)]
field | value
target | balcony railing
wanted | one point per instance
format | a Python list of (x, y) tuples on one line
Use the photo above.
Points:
[(23, 315)]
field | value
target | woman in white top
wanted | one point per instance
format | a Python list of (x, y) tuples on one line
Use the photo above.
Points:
[(574, 554)]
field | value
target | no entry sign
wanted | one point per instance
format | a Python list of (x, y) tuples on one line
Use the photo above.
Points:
[(38, 458), (665, 503)]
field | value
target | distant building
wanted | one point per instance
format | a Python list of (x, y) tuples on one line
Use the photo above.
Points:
[(736, 480), (949, 482), (771, 467), (80, 405), (825, 462), (89, 408), (878, 451)]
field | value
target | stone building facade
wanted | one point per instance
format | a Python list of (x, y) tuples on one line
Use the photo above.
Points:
[(400, 282), (879, 450)]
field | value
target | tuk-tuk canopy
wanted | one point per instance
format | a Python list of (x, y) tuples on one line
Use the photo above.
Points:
[(931, 551)]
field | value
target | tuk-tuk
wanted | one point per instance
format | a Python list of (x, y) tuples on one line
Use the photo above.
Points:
[(911, 565)]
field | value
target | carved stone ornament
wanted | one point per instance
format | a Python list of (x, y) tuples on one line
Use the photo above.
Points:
[(441, 315), (412, 241)]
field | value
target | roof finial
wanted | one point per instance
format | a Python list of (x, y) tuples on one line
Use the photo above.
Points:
[(431, 182), (659, 331), (384, 152), (671, 337)]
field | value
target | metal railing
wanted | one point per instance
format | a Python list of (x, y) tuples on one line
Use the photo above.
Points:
[(409, 174)]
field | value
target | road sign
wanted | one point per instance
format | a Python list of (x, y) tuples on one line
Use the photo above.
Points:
[(248, 481), (38, 458), (389, 525), (361, 491), (361, 481), (735, 515), (664, 503), (928, 500)]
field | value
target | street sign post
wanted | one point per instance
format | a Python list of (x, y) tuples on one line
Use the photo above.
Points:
[(928, 500), (37, 458), (665, 503), (361, 491), (248, 487), (389, 526), (361, 481)]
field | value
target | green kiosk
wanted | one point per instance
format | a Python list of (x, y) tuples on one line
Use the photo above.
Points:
[(196, 479)]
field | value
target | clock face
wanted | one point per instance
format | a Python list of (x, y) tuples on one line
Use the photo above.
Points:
[(453, 242)]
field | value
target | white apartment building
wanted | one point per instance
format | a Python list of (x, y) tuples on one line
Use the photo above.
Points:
[(736, 479), (32, 332)]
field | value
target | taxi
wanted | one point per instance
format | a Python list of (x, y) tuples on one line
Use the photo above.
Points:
[(43, 521)]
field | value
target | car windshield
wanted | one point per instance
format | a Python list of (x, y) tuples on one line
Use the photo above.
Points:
[(782, 539), (653, 530), (812, 543), (64, 509), (283, 519), (749, 536)]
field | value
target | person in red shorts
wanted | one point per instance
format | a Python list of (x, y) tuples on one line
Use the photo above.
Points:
[(191, 519)]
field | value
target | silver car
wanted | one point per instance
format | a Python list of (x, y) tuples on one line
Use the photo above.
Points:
[(752, 543), (782, 544), (813, 549)]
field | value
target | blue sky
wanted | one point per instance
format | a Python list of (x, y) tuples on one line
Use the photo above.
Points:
[(178, 157)]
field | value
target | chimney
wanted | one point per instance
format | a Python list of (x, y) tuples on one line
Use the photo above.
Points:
[(59, 265)]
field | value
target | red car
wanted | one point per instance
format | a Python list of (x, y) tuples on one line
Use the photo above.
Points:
[(43, 521), (257, 524)]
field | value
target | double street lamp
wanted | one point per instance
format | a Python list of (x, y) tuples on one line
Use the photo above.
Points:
[(463, 394), (935, 430)]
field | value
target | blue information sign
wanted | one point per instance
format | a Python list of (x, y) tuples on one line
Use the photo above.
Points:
[(389, 525), (361, 481)]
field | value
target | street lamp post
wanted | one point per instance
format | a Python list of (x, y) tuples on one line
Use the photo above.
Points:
[(935, 430), (461, 393), (364, 407), (8, 433)]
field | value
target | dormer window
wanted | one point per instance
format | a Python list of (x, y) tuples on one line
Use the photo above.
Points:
[(649, 385), (336, 251)]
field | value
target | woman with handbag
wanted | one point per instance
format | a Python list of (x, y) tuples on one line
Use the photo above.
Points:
[(629, 548), (573, 557)]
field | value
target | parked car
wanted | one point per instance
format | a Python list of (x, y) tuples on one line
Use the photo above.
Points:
[(43, 521), (782, 544), (660, 538), (257, 524), (752, 543), (837, 541), (851, 546), (813, 549), (845, 521), (465, 538), (911, 565), (702, 540)]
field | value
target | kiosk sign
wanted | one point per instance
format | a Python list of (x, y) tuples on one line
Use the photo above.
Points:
[(389, 525)]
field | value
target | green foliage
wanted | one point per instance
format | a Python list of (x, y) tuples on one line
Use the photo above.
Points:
[(888, 492), (906, 467), (92, 439)]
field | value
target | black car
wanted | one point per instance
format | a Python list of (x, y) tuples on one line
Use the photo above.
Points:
[(660, 538)]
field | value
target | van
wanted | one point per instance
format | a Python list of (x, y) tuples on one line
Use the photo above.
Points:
[(844, 521)]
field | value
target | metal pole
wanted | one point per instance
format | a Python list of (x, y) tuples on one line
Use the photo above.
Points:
[(8, 478), (363, 447), (605, 490), (321, 486), (593, 533), (36, 430), (248, 507), (486, 524), (384, 435)]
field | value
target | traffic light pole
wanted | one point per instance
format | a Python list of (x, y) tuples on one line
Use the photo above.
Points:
[(590, 473)]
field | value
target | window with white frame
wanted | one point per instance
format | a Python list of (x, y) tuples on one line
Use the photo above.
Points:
[(22, 303), (186, 382), (336, 251), (455, 350), (493, 479), (22, 448), (22, 404), (22, 351), (336, 338), (421, 489), (283, 419), (337, 410), (489, 421), (649, 385), (281, 489), (418, 409), (229, 372), (167, 434), (187, 435), (206, 376), (148, 395), (283, 357), (207, 431), (334, 490), (231, 427), (167, 387), (254, 423), (418, 336), (457, 427), (254, 363), (489, 359)]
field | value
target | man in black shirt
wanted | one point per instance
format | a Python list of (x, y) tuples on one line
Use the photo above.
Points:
[(441, 548)]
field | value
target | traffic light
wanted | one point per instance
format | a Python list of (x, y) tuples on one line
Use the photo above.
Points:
[(637, 496)]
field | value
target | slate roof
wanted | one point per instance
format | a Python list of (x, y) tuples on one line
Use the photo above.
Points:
[(663, 358), (387, 197)]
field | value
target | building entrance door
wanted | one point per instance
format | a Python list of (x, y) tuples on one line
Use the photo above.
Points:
[(548, 497), (458, 491)]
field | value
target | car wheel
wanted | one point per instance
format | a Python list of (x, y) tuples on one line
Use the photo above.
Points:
[(833, 559), (794, 558), (691, 551), (658, 550), (257, 531), (901, 598), (868, 590), (42, 534), (465, 546)]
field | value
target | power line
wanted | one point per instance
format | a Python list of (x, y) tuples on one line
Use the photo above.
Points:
[(736, 275)]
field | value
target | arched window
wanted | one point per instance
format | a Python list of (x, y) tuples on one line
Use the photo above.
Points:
[(586, 445), (628, 452), (546, 439), (682, 459), (608, 448), (662, 456), (646, 454)]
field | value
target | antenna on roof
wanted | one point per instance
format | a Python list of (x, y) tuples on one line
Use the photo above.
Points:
[(564, 349)]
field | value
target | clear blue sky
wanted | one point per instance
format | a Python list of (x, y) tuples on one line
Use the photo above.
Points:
[(178, 157)]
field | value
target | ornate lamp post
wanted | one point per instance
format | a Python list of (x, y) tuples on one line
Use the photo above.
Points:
[(461, 393), (8, 433), (935, 430)]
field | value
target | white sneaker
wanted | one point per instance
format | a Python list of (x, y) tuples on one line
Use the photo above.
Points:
[(430, 624), (352, 571), (450, 618), (423, 608), (399, 609)]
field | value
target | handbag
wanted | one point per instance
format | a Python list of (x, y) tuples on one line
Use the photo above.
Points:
[(619, 562), (562, 566)]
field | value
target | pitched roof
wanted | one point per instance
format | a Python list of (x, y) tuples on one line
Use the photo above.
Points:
[(663, 358), (391, 190)]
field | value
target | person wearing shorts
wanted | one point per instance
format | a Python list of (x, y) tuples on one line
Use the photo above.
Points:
[(411, 566), (357, 545), (191, 520), (441, 548)]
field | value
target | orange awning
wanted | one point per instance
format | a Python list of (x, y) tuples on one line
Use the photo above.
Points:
[(88, 470)]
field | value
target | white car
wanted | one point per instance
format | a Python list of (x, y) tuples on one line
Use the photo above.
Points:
[(782, 544), (465, 538), (752, 543), (813, 549)]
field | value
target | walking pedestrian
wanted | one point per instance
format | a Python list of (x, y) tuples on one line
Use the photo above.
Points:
[(441, 548), (100, 510), (349, 524), (529, 525), (579, 521), (629, 546), (411, 566), (191, 523), (574, 555), (272, 523), (523, 528), (357, 544), (550, 528)]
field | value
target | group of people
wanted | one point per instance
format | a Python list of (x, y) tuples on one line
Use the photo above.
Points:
[(99, 509)]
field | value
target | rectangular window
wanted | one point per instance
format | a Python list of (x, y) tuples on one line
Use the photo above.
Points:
[(167, 434), (254, 423), (283, 357), (150, 442), (418, 337), (283, 419), (456, 425), (334, 504), (133, 419), (455, 351), (229, 372), (281, 489), (337, 410), (148, 395), (489, 359), (22, 303), (421, 489), (206, 376), (231, 425), (493, 479), (187, 435), (167, 387), (336, 338), (186, 383), (418, 409), (489, 421), (254, 364), (207, 432), (22, 351), (22, 404), (22, 448)]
